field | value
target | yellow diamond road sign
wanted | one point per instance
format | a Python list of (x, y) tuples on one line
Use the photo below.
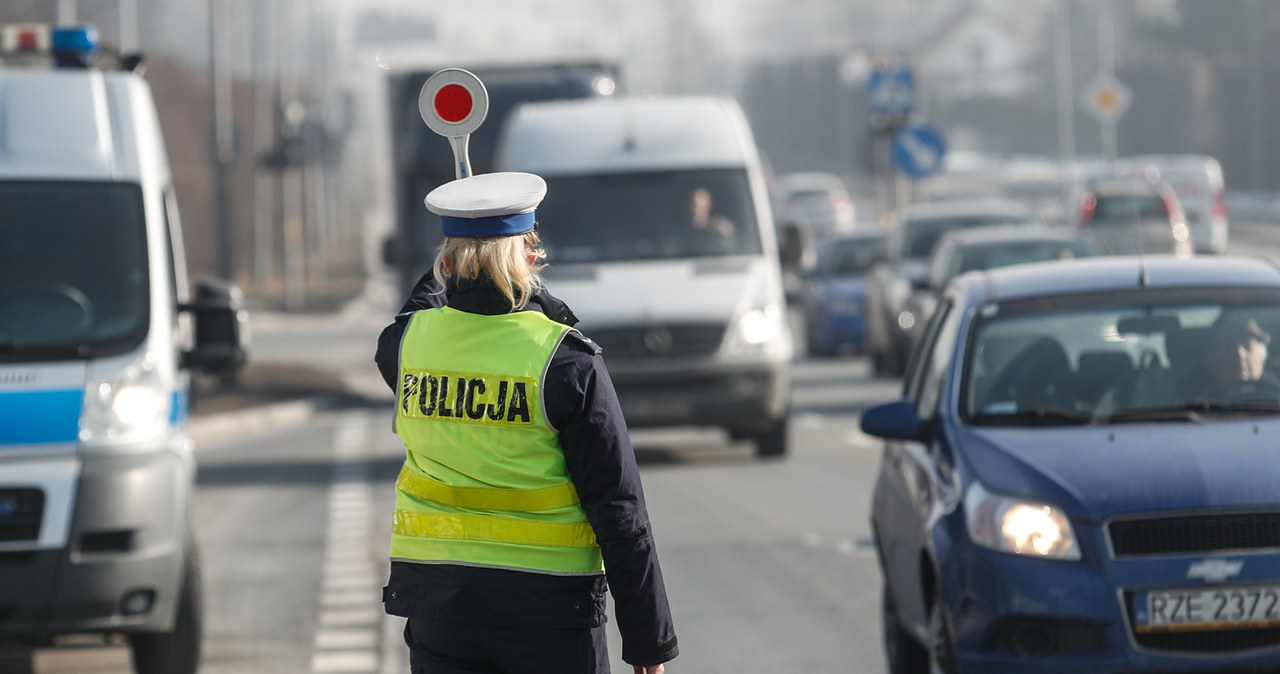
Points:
[(1107, 98)]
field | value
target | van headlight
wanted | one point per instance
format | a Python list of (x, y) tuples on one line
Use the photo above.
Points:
[(130, 406), (759, 330), (1019, 527)]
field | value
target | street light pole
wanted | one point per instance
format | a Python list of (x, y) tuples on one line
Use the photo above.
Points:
[(127, 18), (223, 142), (1066, 96), (1107, 66)]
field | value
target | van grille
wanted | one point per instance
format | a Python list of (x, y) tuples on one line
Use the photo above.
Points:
[(658, 340), (20, 512), (1195, 534)]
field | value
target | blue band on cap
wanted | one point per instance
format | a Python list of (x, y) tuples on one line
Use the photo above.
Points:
[(494, 225)]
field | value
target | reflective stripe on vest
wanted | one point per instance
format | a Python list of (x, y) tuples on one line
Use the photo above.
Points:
[(484, 481), (486, 498), (494, 529)]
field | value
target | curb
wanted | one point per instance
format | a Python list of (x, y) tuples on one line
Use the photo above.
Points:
[(247, 423), (224, 427)]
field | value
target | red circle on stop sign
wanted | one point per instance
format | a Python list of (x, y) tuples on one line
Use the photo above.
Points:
[(453, 103)]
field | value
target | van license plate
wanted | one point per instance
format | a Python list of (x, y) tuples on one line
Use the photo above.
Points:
[(1207, 608)]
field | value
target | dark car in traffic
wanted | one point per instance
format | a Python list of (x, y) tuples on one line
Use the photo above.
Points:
[(834, 297), (1082, 473), (890, 326), (991, 248)]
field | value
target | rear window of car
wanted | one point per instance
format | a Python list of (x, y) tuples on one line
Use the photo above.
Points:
[(920, 236), (1126, 207)]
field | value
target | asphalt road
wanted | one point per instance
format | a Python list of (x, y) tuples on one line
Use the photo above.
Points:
[(768, 564)]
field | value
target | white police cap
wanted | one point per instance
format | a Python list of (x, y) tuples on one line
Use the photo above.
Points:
[(489, 204)]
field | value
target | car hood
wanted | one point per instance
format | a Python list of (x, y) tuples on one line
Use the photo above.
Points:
[(1098, 472), (913, 270), (666, 291)]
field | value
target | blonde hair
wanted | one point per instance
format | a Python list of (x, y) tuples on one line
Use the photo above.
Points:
[(503, 259)]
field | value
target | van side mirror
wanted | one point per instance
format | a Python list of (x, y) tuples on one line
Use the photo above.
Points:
[(221, 328)]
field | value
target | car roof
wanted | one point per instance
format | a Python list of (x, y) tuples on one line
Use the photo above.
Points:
[(978, 235), (811, 180), (1109, 273), (1125, 185), (856, 235), (954, 207)]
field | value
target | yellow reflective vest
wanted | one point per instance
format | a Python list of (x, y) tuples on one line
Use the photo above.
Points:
[(484, 482)]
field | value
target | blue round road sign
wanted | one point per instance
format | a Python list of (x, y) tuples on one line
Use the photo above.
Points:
[(918, 150)]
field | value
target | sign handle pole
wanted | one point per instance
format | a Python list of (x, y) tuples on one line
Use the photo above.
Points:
[(461, 160)]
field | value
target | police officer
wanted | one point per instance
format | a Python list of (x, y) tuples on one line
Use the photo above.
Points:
[(519, 502)]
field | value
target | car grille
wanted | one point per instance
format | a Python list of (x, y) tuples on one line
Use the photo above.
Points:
[(658, 340), (1210, 641), (20, 512), (1195, 534)]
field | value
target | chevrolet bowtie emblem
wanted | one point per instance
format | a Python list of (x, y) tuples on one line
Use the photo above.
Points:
[(1215, 570)]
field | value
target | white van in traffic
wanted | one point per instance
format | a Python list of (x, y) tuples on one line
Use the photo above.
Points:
[(660, 237), (1197, 180), (98, 335)]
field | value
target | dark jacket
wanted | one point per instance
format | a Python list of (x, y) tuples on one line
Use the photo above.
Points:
[(582, 406)]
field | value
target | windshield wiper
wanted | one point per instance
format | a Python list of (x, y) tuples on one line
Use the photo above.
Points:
[(1036, 416), (19, 351), (1195, 410)]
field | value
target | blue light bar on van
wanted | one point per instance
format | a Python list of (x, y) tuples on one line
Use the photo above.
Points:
[(75, 40)]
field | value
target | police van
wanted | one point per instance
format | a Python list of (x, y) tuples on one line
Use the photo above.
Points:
[(660, 237), (99, 337)]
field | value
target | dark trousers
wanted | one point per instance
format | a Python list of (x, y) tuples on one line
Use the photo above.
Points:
[(456, 648)]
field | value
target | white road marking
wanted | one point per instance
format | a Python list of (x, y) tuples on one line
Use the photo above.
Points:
[(351, 617)]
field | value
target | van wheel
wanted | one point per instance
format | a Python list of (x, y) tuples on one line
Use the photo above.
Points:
[(177, 651), (774, 442), (18, 660)]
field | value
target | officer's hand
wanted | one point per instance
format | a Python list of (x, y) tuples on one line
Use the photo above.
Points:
[(653, 669)]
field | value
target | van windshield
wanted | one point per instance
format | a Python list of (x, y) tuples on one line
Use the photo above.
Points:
[(73, 269), (648, 216)]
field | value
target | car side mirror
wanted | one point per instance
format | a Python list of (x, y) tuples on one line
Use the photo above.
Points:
[(221, 328), (793, 246), (894, 421)]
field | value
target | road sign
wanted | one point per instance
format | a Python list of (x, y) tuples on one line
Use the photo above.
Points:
[(1106, 98), (918, 150), (891, 91), (453, 102)]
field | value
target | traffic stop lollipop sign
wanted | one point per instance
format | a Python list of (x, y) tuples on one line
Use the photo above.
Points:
[(453, 102)]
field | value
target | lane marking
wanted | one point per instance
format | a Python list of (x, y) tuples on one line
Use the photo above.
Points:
[(350, 633)]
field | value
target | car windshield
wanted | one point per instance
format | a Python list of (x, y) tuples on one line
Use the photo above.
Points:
[(648, 216), (73, 269), (921, 235), (1180, 360), (849, 256)]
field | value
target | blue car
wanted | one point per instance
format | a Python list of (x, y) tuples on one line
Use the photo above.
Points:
[(835, 292), (1083, 474)]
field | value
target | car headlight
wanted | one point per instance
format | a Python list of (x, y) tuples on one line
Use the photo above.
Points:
[(1019, 527), (763, 329), (130, 406)]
